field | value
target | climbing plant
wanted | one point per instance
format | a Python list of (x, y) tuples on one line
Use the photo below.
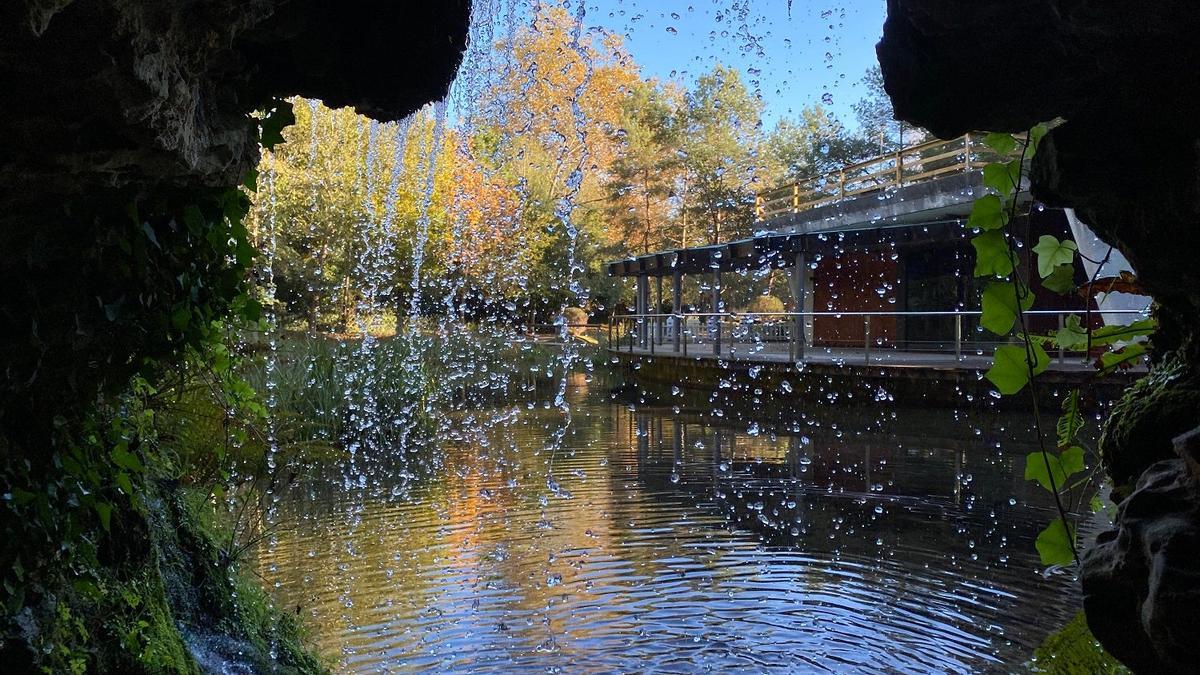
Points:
[(1006, 297)]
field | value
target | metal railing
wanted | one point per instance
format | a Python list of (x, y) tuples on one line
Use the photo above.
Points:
[(913, 164), (853, 337)]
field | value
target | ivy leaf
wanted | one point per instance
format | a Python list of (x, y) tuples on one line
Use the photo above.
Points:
[(1071, 460), (1051, 253), (1010, 370), (1000, 306), (1035, 470), (987, 214), (1072, 335), (998, 177), (1000, 142), (1054, 544), (992, 255), (1061, 280)]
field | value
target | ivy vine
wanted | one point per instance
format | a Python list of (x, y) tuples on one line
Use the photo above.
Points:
[(1016, 365)]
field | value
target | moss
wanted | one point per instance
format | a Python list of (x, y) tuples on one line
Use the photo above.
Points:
[(1142, 425), (1073, 649), (156, 606)]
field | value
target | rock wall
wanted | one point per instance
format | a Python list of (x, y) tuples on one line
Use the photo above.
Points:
[(116, 106), (1122, 77)]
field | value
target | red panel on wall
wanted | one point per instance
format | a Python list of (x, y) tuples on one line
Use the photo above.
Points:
[(848, 283)]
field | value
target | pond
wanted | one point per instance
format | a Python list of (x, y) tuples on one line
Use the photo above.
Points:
[(651, 538)]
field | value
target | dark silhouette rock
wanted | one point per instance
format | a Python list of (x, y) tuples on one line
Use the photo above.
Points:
[(1127, 157), (1141, 583), (118, 111)]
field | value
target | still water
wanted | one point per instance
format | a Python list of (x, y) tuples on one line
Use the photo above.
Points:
[(652, 539)]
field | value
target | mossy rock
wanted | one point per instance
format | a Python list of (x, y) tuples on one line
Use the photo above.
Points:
[(1143, 424)]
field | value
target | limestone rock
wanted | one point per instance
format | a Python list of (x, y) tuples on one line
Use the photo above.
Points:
[(1141, 582)]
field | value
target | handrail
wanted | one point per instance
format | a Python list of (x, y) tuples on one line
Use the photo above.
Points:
[(890, 170), (650, 330), (974, 312)]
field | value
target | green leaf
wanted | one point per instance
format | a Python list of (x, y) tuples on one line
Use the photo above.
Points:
[(1036, 470), (1010, 368), (1036, 134), (126, 459), (1129, 355), (1072, 335), (1000, 142), (104, 510), (1008, 372), (124, 483), (1000, 306), (992, 255), (1051, 253), (987, 213), (1061, 280), (1072, 461), (1071, 421), (1110, 334), (1054, 544), (181, 316), (998, 177)]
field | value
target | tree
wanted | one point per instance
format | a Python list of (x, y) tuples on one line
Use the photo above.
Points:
[(722, 132), (877, 120), (645, 172), (815, 145)]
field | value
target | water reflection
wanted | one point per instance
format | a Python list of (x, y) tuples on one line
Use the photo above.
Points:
[(666, 542)]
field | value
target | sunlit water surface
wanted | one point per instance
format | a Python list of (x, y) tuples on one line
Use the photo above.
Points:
[(656, 541)]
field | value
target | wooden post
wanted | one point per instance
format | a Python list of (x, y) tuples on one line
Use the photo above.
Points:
[(795, 197), (967, 154), (716, 303), (841, 183), (677, 308)]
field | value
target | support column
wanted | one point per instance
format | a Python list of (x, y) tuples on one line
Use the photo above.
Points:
[(660, 326), (677, 307), (799, 282), (643, 293), (717, 307)]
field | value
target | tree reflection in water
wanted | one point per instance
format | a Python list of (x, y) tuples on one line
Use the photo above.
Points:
[(678, 542)]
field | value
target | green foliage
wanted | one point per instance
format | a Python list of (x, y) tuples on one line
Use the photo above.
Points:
[(89, 550), (765, 304), (992, 255), (987, 213), (1056, 544), (1074, 650), (1001, 306), (1011, 370), (1002, 143), (1052, 253), (1061, 279)]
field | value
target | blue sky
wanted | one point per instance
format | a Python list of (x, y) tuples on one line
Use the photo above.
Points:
[(817, 51)]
